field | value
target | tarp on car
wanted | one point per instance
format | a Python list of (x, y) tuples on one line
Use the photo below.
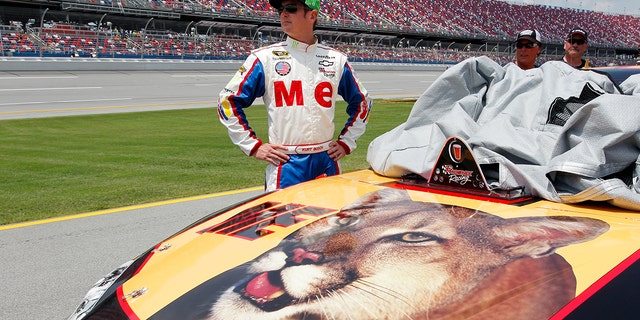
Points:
[(566, 135), (631, 85)]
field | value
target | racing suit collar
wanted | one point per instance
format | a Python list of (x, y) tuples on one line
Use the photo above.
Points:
[(299, 45)]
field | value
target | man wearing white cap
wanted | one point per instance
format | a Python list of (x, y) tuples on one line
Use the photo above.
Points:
[(299, 81), (575, 46), (528, 48)]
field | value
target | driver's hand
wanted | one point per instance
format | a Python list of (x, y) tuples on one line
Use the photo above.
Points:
[(336, 151), (272, 153)]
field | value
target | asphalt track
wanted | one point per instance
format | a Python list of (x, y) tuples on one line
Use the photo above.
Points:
[(47, 266), (54, 93)]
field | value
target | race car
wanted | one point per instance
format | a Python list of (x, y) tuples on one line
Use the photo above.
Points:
[(363, 246), (619, 73), (451, 244)]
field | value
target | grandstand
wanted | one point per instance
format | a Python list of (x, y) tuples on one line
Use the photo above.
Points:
[(428, 31)]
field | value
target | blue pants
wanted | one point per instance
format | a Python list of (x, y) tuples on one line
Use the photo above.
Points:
[(300, 168)]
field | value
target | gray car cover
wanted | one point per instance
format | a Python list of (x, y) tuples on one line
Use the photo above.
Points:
[(566, 135)]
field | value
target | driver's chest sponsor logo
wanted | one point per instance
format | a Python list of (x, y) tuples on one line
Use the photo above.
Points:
[(293, 95)]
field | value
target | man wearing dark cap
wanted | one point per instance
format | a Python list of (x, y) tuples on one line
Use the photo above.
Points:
[(575, 46), (299, 81), (528, 48)]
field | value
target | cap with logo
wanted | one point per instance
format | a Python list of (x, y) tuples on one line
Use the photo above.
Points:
[(313, 4), (577, 31), (531, 35)]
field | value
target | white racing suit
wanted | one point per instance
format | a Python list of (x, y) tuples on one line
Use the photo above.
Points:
[(299, 84)]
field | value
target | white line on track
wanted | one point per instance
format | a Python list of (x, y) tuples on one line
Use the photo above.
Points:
[(31, 78), (200, 75), (42, 89), (62, 101)]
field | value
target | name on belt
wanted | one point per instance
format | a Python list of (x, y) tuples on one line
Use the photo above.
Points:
[(309, 148)]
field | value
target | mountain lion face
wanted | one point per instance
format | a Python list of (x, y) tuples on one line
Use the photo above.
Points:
[(388, 257)]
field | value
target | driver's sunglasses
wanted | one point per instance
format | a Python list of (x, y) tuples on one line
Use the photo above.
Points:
[(529, 45), (290, 8), (576, 41)]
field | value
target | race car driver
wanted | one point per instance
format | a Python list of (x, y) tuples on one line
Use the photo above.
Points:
[(299, 80)]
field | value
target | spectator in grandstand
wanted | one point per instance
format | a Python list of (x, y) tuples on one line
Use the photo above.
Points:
[(575, 46), (528, 48), (299, 80)]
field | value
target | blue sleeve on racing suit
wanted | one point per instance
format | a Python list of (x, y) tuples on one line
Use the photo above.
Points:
[(247, 84), (251, 87), (358, 108)]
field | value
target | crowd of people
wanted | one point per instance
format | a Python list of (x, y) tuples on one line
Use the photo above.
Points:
[(491, 19), (74, 40), (64, 39), (487, 19)]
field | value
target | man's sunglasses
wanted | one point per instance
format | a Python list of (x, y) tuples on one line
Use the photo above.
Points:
[(529, 45), (290, 8), (576, 41)]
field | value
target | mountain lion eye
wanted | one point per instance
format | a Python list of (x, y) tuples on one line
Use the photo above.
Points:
[(344, 221), (416, 237)]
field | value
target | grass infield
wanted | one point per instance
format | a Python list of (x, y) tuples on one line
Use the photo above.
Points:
[(53, 167)]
